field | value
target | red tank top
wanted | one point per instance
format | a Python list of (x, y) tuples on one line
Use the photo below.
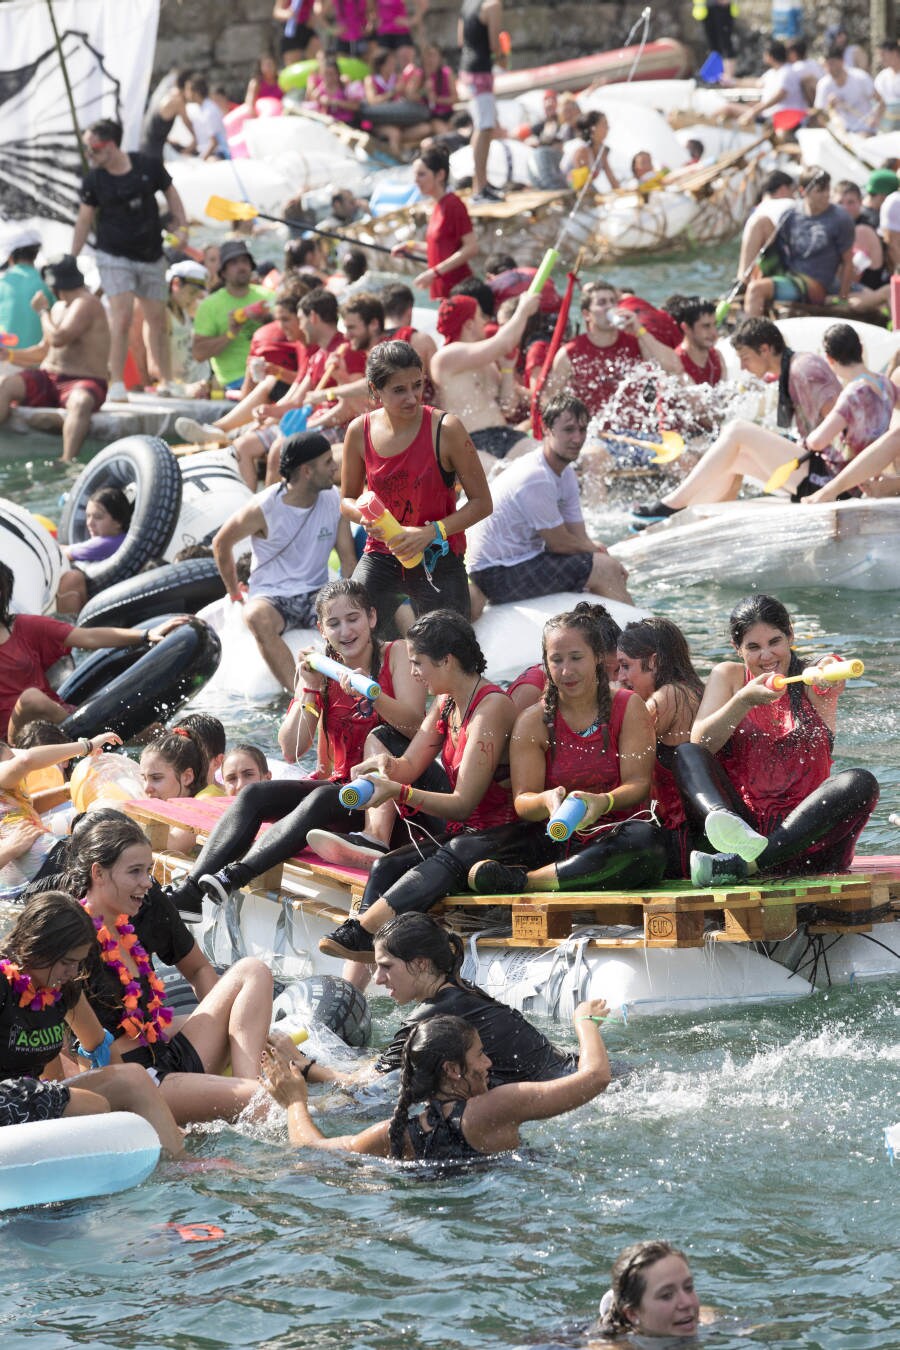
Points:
[(495, 807), (775, 760), (534, 676), (598, 372), (349, 718), (590, 763), (711, 373), (412, 484)]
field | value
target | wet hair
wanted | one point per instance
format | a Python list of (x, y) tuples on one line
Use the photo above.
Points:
[(191, 551), (39, 732), (106, 129), (349, 589), (387, 358), (564, 403), (434, 1043), (366, 306), (396, 299), (98, 837), (758, 333), (50, 925), (354, 266), (593, 288), (115, 501), (444, 632), (208, 729), (692, 308), (252, 752), (480, 292), (182, 750), (601, 633), (629, 1281), (322, 303), (664, 639), (761, 608), (498, 263), (437, 160), (7, 586), (842, 344), (413, 936)]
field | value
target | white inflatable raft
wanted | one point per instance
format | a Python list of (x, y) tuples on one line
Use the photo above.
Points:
[(51, 1160), (33, 555)]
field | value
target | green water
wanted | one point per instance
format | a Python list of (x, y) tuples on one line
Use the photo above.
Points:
[(754, 1139)]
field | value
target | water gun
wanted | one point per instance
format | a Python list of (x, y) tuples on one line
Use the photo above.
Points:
[(542, 275), (833, 674), (374, 512), (566, 819), (8, 339), (333, 670), (258, 310), (356, 795)]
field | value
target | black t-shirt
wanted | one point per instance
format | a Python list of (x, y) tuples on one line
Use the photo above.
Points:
[(127, 220), (162, 932), (29, 1038), (518, 1052)]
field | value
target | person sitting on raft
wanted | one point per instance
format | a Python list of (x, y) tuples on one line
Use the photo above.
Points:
[(860, 413), (581, 740), (655, 663), (528, 687), (173, 765), (410, 455), (469, 726), (210, 732), (41, 994), (444, 1065), (244, 764), (869, 470), (326, 716), (107, 517), (755, 777), (134, 921), (652, 1295)]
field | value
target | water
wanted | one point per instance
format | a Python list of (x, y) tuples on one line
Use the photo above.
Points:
[(754, 1139)]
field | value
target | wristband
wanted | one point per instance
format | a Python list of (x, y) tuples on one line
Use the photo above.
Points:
[(440, 531), (85, 742), (99, 1056), (305, 1068), (312, 710), (588, 1017), (230, 335), (403, 798), (506, 370), (610, 804), (642, 332)]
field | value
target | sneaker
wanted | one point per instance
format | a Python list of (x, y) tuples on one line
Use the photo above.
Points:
[(348, 850), (350, 941), (195, 433), (728, 833), (652, 510), (717, 869), (117, 393), (217, 885), (490, 877), (488, 196), (187, 896)]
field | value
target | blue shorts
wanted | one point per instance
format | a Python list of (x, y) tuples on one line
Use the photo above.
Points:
[(787, 289)]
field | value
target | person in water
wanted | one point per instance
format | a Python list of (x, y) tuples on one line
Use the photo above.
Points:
[(174, 764), (107, 517), (652, 1294), (757, 774), (445, 1066)]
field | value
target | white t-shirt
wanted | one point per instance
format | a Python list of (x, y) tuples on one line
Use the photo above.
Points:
[(292, 560), (772, 208), (785, 81), (889, 215), (528, 497), (887, 83), (854, 98), (808, 69)]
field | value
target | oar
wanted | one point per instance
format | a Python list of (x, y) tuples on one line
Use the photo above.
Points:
[(223, 208), (667, 449), (784, 471)]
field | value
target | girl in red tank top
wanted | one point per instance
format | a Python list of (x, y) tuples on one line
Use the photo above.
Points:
[(412, 455), (580, 739), (757, 775), (327, 717)]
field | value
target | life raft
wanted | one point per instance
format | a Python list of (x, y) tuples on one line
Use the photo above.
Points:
[(46, 1161), (176, 588)]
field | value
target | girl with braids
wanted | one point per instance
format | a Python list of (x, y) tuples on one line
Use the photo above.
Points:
[(755, 777), (40, 995), (445, 1066), (655, 662), (468, 725), (583, 740), (175, 764), (527, 688), (133, 921), (652, 1294), (327, 716)]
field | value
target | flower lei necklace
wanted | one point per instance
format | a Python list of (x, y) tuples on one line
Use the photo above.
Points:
[(158, 1015), (30, 996)]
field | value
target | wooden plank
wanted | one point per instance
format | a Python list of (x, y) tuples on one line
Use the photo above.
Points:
[(767, 923), (537, 923), (672, 928)]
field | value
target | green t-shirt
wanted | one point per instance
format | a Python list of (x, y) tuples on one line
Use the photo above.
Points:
[(17, 285), (211, 320)]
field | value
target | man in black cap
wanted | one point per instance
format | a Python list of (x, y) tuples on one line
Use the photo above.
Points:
[(292, 527), (226, 320), (68, 368)]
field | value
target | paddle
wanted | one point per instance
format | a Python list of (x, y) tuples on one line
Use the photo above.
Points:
[(222, 208), (784, 471), (668, 449)]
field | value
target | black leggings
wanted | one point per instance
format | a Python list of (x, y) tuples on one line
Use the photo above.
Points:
[(819, 835), (389, 584)]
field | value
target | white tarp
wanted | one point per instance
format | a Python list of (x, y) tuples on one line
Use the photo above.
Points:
[(108, 48)]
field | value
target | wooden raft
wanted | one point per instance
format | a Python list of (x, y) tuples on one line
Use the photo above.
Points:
[(672, 916)]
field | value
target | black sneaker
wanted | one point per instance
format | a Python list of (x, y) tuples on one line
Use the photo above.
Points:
[(217, 885), (186, 896), (350, 941), (488, 194), (490, 877), (717, 869), (654, 510)]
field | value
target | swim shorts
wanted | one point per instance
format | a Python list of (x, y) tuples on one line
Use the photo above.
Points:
[(544, 574), (478, 87), (122, 275), (175, 1056), (47, 389), (26, 1099), (297, 611), (497, 441)]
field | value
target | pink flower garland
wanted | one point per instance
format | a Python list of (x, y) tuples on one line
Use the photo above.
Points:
[(29, 994), (158, 1015)]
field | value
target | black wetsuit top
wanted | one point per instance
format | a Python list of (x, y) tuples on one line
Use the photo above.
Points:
[(518, 1052), (475, 57), (443, 1140)]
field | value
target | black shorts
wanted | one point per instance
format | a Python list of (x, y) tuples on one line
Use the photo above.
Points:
[(542, 575), (389, 584), (496, 441), (359, 47), (391, 42), (175, 1056), (298, 41), (719, 29), (25, 1099)]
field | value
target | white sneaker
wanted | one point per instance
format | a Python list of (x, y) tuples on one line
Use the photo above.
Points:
[(728, 833), (117, 393), (189, 429)]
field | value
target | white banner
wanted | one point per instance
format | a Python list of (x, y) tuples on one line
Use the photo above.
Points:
[(108, 48)]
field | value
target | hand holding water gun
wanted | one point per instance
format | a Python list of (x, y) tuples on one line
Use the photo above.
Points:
[(829, 672)]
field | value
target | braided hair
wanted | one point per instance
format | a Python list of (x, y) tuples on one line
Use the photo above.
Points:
[(600, 631), (629, 1282), (433, 1044), (99, 837), (182, 749)]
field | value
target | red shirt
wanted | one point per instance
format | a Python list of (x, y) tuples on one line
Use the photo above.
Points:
[(447, 226), (318, 357), (495, 807), (33, 646), (590, 763), (348, 719), (711, 373), (270, 342), (598, 373), (534, 676), (411, 485), (656, 321)]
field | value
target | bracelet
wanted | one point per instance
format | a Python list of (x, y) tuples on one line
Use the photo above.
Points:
[(641, 331), (312, 710), (610, 804), (506, 370), (587, 1017), (230, 335), (85, 742), (440, 530), (404, 798), (305, 1068), (307, 689)]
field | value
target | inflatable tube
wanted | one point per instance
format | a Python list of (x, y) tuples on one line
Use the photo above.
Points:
[(392, 192), (212, 490), (297, 75), (47, 1161), (663, 60), (126, 689), (33, 555), (401, 113), (145, 468), (177, 588), (329, 1001)]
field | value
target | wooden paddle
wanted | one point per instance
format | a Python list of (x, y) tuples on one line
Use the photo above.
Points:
[(223, 208)]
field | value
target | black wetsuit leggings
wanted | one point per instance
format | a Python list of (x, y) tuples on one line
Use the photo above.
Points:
[(818, 835)]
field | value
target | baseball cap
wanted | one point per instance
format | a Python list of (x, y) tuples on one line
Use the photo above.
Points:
[(187, 271), (22, 238), (882, 182)]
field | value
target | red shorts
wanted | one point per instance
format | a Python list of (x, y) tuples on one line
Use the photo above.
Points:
[(45, 389)]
